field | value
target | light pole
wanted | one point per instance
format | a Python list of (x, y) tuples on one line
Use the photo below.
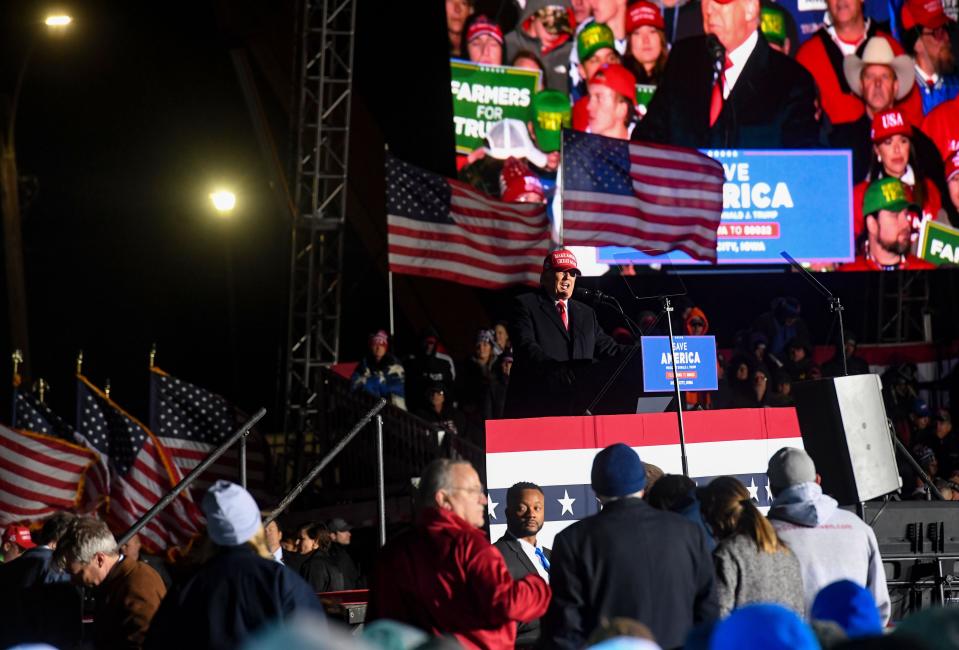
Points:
[(10, 205), (224, 202)]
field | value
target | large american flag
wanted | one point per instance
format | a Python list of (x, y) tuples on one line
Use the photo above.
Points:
[(31, 414), (140, 471), (445, 229), (39, 474), (191, 422), (647, 196)]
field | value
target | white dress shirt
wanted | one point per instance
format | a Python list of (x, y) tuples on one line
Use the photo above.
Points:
[(530, 551), (738, 57)]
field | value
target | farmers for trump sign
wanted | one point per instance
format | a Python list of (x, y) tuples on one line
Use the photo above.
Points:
[(484, 94)]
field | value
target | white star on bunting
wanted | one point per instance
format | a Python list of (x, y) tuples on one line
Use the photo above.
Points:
[(567, 503)]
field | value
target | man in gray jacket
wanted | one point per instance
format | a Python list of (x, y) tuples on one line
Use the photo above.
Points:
[(831, 544)]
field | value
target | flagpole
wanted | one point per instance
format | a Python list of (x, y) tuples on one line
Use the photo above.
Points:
[(389, 273), (17, 358), (558, 196), (389, 279), (189, 478)]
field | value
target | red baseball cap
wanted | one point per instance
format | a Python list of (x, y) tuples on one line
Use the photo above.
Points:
[(890, 122), (484, 26), (19, 535), (952, 165), (643, 13), (561, 260), (616, 77), (925, 13)]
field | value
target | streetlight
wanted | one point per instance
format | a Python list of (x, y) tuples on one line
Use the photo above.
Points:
[(58, 20), (224, 201), (10, 207)]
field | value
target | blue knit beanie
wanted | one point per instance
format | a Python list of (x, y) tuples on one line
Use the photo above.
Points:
[(770, 627), (851, 606), (618, 471)]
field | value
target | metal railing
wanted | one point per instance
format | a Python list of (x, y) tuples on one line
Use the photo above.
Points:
[(409, 442)]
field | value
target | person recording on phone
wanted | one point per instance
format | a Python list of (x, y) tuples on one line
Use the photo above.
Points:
[(551, 332)]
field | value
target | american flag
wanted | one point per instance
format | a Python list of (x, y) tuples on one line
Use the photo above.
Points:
[(445, 229), (191, 422), (647, 196), (141, 472), (30, 414), (39, 474)]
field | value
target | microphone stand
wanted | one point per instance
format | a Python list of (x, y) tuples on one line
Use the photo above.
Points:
[(626, 358), (668, 308), (834, 303)]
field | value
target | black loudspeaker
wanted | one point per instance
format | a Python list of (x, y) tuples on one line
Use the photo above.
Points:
[(844, 430), (919, 544)]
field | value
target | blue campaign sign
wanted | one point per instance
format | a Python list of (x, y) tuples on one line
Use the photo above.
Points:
[(796, 201), (695, 363)]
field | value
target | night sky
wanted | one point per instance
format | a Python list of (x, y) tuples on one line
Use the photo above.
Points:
[(126, 123)]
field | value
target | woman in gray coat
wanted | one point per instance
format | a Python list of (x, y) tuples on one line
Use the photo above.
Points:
[(752, 564)]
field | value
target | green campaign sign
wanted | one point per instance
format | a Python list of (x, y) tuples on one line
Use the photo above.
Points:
[(939, 244), (485, 94)]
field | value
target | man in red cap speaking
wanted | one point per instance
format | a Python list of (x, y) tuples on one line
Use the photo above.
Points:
[(550, 332)]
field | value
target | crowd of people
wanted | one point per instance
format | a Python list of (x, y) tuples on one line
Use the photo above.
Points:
[(213, 594), (734, 74), (664, 564)]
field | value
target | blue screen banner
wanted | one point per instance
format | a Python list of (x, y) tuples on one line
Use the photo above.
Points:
[(695, 363), (797, 201)]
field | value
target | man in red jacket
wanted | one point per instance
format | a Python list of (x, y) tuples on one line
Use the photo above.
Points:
[(444, 576)]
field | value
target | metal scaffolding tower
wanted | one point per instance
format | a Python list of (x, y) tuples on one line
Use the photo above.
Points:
[(903, 314), (324, 63)]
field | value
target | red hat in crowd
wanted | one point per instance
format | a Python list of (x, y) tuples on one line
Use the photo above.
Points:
[(643, 13), (484, 26), (890, 122), (617, 77), (923, 13), (19, 535), (561, 260), (952, 165), (516, 180), (380, 337)]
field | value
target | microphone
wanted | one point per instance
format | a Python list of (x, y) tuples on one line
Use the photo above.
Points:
[(593, 295), (718, 54)]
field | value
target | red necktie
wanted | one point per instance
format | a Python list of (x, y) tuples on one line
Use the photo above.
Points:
[(562, 314), (930, 84), (716, 101)]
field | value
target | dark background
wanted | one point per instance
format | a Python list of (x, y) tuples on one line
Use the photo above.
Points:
[(128, 121)]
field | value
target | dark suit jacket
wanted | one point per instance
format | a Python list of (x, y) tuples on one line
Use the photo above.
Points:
[(633, 561), (519, 565), (543, 350), (771, 106)]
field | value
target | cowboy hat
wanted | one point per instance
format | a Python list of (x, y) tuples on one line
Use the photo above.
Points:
[(878, 51)]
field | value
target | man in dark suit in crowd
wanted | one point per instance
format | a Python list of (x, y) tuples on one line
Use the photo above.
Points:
[(729, 89), (629, 560), (525, 514), (549, 330)]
